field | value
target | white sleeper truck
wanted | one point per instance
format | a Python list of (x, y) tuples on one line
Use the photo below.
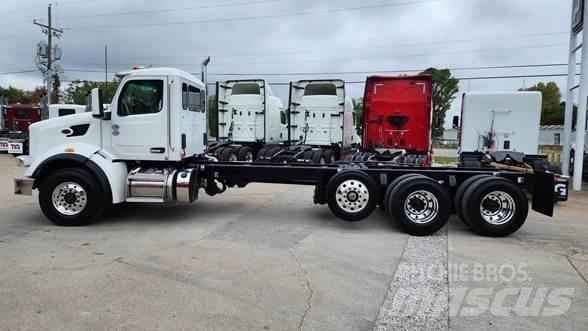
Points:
[(248, 117), (321, 124), (149, 146), (503, 125)]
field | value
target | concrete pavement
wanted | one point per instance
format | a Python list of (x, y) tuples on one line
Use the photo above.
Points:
[(265, 257)]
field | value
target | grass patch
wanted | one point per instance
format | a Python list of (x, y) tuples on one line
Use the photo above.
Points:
[(444, 159)]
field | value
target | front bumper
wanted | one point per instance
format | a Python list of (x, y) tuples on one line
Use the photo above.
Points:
[(23, 185)]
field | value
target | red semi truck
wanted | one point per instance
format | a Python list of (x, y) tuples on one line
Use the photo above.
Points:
[(16, 121), (397, 120)]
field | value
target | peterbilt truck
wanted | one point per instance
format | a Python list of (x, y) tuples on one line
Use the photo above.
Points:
[(320, 124), (146, 147), (249, 116)]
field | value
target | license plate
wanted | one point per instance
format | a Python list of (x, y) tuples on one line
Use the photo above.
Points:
[(3, 145), (15, 148), (561, 190)]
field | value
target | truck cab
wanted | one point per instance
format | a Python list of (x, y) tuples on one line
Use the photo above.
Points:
[(156, 118), (248, 117)]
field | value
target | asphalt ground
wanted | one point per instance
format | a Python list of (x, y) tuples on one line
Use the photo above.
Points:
[(266, 258)]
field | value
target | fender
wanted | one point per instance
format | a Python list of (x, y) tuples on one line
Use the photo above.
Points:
[(73, 159)]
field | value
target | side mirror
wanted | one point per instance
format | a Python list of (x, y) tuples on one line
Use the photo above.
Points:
[(94, 103), (455, 122)]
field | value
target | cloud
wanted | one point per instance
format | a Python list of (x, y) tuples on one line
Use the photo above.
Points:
[(295, 38)]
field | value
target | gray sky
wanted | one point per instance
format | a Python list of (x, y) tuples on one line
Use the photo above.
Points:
[(293, 36)]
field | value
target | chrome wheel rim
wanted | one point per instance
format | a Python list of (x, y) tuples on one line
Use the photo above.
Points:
[(352, 196), (421, 207), (497, 207), (248, 157), (232, 157), (69, 198), (323, 161)]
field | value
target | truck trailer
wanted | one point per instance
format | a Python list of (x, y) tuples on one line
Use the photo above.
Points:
[(148, 148)]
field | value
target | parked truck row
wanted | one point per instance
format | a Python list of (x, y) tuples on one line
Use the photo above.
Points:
[(150, 146), (15, 120)]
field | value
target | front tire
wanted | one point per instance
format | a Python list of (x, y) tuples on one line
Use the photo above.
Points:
[(71, 197), (352, 195)]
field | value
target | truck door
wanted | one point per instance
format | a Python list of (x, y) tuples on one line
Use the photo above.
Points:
[(139, 125)]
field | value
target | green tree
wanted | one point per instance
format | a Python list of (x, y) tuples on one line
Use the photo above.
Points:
[(552, 108), (445, 88), (212, 110), (358, 107), (77, 91)]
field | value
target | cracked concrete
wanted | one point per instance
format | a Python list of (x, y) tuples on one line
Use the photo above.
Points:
[(308, 286)]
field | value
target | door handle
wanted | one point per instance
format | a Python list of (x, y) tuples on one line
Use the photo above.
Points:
[(157, 150)]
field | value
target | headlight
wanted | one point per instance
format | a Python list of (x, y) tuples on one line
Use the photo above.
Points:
[(24, 160)]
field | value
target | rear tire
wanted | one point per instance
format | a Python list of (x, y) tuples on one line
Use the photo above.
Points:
[(228, 154), (330, 156), (245, 154), (425, 206), (392, 185), (352, 195), (318, 157), (71, 197), (495, 207), (459, 196)]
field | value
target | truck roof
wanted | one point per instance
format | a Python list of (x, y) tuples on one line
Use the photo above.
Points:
[(21, 106), (505, 93), (402, 77), (162, 72)]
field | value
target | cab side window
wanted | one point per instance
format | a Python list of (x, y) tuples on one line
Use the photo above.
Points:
[(141, 97), (195, 99)]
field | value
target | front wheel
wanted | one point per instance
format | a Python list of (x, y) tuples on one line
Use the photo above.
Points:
[(70, 197), (352, 195)]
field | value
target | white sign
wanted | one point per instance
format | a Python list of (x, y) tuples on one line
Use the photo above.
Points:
[(15, 148), (3, 145)]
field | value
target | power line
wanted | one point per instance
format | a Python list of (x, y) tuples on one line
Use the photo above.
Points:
[(18, 72), (372, 57), (518, 66), (142, 12), (350, 48), (247, 18)]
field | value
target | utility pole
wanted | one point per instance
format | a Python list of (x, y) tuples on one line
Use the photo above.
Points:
[(51, 32), (105, 67)]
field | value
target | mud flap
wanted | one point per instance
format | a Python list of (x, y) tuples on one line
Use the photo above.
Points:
[(543, 188)]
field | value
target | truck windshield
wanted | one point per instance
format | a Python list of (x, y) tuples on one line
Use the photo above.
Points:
[(246, 88), (22, 114), (320, 89)]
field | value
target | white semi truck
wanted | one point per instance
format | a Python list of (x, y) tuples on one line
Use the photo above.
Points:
[(504, 126), (149, 146), (248, 117), (321, 124)]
